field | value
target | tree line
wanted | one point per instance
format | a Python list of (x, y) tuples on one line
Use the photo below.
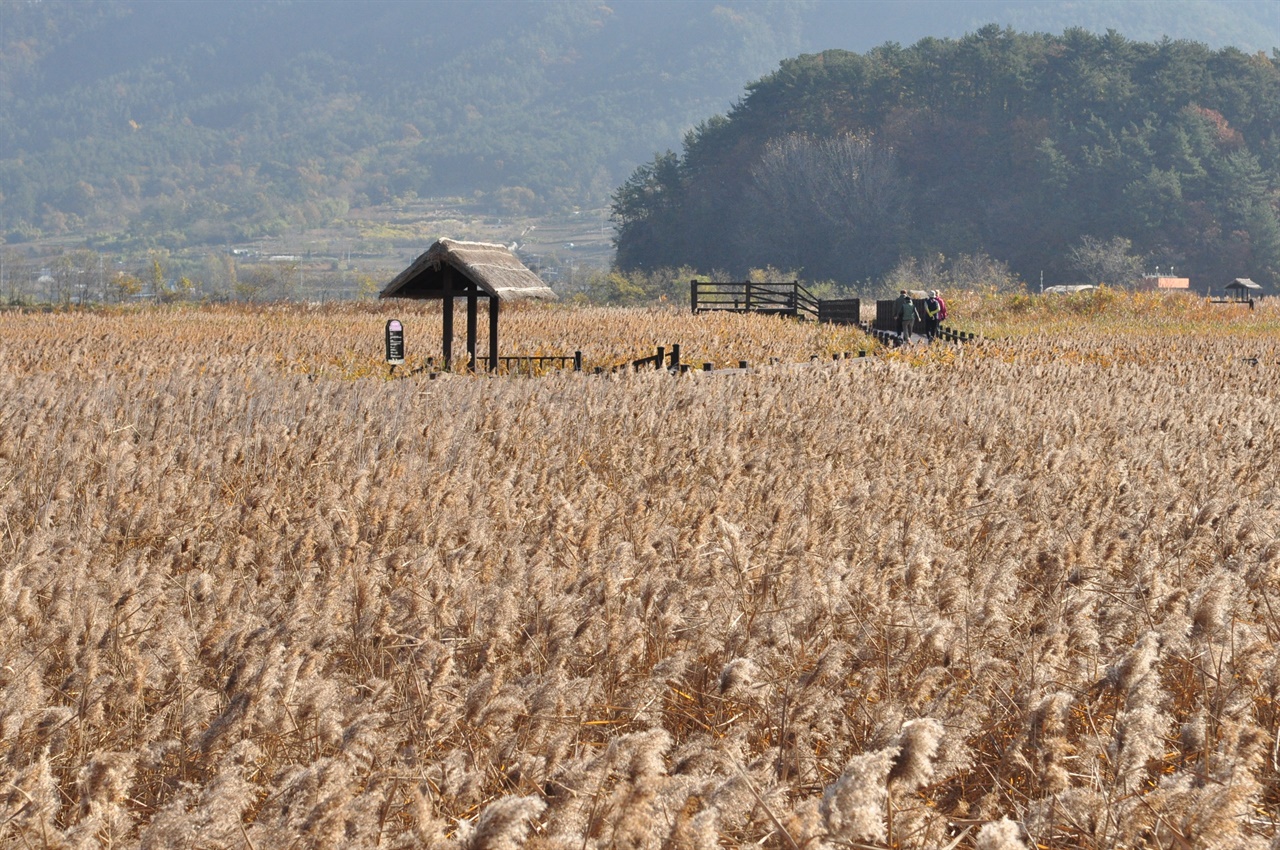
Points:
[(1029, 149), (84, 277)]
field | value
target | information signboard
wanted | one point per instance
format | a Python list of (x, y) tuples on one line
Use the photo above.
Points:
[(395, 342)]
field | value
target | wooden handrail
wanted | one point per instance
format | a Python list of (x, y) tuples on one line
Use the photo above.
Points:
[(752, 297), (561, 361)]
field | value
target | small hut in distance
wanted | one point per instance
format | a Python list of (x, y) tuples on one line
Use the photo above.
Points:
[(452, 269), (1243, 289)]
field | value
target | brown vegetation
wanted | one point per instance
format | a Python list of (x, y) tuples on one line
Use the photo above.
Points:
[(253, 594)]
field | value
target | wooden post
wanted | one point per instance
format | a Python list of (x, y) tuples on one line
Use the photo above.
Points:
[(675, 357), (577, 361), (748, 297), (693, 296), (493, 332), (447, 333), (471, 327)]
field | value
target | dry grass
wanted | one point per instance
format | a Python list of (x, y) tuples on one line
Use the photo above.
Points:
[(346, 341), (253, 594)]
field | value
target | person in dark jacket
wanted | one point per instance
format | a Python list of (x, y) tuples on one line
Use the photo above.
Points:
[(905, 309)]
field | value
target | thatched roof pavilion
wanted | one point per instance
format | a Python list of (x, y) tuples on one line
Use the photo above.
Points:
[(493, 268), (450, 269), (1243, 289)]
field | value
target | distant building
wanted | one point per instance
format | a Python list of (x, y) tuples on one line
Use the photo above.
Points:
[(1068, 288), (1152, 282)]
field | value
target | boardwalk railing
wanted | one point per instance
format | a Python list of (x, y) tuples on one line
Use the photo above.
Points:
[(782, 299), (953, 335), (664, 358), (892, 338), (535, 365), (886, 338), (1231, 299)]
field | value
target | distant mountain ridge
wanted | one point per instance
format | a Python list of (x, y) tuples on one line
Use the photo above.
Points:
[(218, 121), (204, 122)]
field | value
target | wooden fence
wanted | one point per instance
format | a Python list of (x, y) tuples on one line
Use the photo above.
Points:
[(841, 311), (887, 314), (782, 299), (662, 359), (517, 365)]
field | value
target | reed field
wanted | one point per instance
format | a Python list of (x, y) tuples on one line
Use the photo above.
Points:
[(255, 593)]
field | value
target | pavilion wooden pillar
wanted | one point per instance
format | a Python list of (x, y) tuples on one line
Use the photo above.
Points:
[(447, 332), (493, 332), (471, 326)]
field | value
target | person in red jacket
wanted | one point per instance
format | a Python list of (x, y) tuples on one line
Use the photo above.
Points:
[(942, 309)]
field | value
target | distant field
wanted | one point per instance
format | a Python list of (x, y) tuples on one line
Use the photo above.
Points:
[(389, 236), (253, 593), (363, 250)]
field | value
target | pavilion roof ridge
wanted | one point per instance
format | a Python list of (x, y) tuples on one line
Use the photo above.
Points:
[(491, 267)]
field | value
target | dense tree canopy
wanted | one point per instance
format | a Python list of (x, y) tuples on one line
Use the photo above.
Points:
[(840, 164)]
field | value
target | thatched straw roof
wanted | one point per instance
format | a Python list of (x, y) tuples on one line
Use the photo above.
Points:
[(491, 267)]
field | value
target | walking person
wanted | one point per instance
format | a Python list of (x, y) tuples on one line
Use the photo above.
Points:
[(905, 309), (932, 315)]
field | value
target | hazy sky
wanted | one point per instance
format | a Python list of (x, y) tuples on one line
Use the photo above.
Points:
[(859, 25)]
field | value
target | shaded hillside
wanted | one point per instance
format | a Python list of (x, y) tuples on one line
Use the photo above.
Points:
[(1015, 145), (209, 121)]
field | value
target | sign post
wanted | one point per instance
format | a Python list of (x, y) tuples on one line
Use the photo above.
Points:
[(395, 344)]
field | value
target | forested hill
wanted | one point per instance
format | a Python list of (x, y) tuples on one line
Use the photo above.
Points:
[(1019, 146)]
